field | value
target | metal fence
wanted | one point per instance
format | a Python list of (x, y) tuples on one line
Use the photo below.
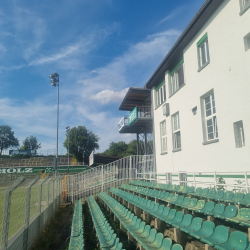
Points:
[(229, 181), (26, 205), (101, 178)]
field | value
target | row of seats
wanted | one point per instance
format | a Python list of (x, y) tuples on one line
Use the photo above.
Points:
[(148, 238), (106, 236), (219, 210), (219, 195), (218, 237), (76, 238)]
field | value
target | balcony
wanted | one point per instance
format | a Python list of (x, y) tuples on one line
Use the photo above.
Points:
[(138, 121)]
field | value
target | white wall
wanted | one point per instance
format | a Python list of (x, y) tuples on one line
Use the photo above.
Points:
[(228, 74)]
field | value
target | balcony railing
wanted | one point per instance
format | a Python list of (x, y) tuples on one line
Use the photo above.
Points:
[(123, 122), (137, 112)]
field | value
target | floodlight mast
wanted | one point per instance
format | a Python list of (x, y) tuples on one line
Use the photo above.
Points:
[(54, 77)]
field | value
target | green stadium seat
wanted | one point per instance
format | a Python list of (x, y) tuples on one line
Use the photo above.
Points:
[(178, 201), (197, 191), (192, 204), (243, 217), (164, 214), (170, 215), (204, 192), (211, 194), (185, 202), (238, 197), (177, 247), (195, 225), (230, 212), (246, 200), (209, 206), (187, 219), (206, 230), (219, 195), (219, 208), (237, 240), (228, 195), (178, 218), (220, 236), (190, 190), (166, 244)]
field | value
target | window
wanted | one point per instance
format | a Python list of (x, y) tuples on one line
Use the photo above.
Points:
[(247, 42), (244, 5), (203, 52), (176, 78), (176, 131), (239, 134), (164, 147), (160, 94), (210, 117)]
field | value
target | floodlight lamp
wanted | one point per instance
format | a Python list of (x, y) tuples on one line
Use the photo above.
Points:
[(54, 77)]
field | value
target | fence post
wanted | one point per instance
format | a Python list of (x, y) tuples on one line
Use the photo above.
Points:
[(102, 178), (27, 213), (130, 168), (40, 202), (215, 181), (6, 212), (246, 182)]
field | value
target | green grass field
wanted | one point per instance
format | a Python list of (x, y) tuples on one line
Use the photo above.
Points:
[(18, 206)]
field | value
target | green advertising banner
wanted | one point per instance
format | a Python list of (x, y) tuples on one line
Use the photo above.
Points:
[(38, 170), (132, 116)]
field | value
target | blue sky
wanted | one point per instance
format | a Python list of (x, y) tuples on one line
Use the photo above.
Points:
[(98, 47)]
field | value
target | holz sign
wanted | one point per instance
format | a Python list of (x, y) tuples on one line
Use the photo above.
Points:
[(15, 170)]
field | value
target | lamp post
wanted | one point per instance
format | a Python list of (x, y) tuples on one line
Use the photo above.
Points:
[(54, 77), (68, 129)]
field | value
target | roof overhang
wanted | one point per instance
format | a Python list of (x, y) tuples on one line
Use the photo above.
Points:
[(134, 97), (176, 52)]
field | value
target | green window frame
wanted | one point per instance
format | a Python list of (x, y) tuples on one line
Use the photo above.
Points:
[(160, 94)]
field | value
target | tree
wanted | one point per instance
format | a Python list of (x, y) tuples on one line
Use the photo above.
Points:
[(7, 138), (30, 143), (81, 143), (121, 149)]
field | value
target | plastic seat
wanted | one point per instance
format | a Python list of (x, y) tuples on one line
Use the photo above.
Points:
[(156, 243), (191, 190), (166, 244), (238, 197), (206, 230), (211, 193), (219, 195), (171, 215), (192, 203), (246, 200), (209, 206), (174, 198), (237, 240), (204, 192), (177, 247), (228, 195), (197, 191), (178, 201), (185, 190), (165, 213), (178, 218), (220, 236), (230, 212), (195, 225), (170, 196), (219, 208), (185, 202), (187, 220), (243, 217)]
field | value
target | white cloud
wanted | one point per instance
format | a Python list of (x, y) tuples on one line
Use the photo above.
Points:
[(107, 96), (172, 15)]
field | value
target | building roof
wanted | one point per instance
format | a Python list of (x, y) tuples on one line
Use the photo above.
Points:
[(176, 52), (134, 97)]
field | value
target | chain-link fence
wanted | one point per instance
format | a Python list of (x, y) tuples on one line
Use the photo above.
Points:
[(26, 205), (101, 178)]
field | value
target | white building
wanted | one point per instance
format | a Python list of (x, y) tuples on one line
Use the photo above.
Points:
[(200, 94)]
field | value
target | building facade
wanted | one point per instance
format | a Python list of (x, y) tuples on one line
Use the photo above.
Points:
[(200, 93)]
